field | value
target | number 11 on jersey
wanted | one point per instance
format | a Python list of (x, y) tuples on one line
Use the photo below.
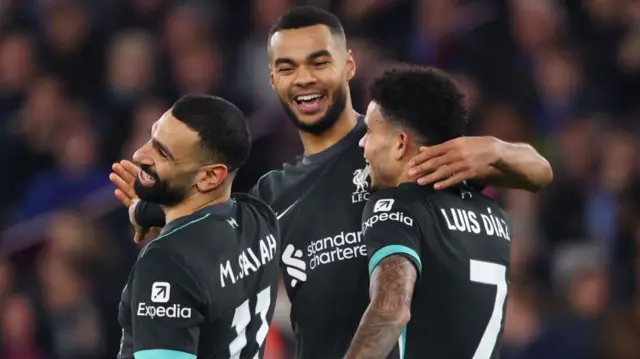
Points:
[(241, 320), (491, 274)]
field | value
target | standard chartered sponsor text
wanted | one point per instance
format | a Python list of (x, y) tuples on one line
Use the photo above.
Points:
[(342, 246)]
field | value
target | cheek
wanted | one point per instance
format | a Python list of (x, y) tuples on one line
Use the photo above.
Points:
[(281, 85), (373, 149)]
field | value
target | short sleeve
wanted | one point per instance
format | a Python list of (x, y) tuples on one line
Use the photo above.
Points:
[(255, 190), (389, 227), (167, 305)]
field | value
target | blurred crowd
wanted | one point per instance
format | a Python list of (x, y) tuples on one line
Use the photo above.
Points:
[(81, 82)]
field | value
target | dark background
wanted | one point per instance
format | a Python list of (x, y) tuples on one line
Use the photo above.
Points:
[(81, 82)]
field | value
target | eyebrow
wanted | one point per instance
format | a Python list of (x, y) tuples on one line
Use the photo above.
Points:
[(312, 56), (158, 145)]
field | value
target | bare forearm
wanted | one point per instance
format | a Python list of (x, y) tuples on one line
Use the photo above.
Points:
[(519, 166), (388, 313), (377, 335)]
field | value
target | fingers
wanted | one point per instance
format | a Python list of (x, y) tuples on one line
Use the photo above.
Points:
[(140, 234), (131, 168), (427, 153), (442, 173), (124, 187), (433, 164), (453, 180), (124, 199), (124, 172)]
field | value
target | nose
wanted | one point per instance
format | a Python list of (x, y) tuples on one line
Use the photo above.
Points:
[(363, 141), (143, 156), (304, 77)]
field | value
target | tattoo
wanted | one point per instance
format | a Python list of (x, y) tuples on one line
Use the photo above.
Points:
[(389, 311)]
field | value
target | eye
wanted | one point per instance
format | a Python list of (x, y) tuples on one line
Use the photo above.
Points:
[(285, 69), (321, 63)]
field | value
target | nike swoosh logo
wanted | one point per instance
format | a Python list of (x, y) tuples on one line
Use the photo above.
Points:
[(279, 215)]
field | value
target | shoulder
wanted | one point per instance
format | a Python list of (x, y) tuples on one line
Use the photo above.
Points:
[(401, 197), (257, 207), (178, 241), (158, 258), (264, 188)]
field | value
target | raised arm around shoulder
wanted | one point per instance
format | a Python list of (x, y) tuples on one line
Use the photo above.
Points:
[(481, 158), (520, 166), (391, 289)]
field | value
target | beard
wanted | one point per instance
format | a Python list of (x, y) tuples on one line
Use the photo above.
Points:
[(325, 122), (161, 192)]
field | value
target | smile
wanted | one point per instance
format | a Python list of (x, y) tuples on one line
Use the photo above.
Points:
[(145, 178), (310, 103)]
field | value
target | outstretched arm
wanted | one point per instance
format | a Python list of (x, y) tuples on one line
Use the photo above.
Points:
[(391, 290), (485, 159), (519, 166)]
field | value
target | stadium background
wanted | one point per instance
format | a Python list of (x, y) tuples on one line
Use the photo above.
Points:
[(81, 83)]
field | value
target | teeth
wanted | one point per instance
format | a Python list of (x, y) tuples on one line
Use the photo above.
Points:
[(308, 97)]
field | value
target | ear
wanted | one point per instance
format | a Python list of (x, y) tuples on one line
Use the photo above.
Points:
[(402, 145), (211, 177), (351, 65)]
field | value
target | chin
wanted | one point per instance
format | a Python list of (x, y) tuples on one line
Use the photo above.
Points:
[(310, 120)]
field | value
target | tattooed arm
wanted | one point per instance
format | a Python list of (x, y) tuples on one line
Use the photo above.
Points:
[(389, 311)]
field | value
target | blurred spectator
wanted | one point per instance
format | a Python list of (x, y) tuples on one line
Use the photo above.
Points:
[(77, 175), (252, 78), (82, 82), (72, 46), (144, 116), (18, 330), (17, 69)]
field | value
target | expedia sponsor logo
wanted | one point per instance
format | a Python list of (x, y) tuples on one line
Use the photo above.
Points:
[(174, 311), (386, 216)]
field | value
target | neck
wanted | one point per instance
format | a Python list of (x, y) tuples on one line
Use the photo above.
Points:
[(403, 173), (317, 143), (196, 202)]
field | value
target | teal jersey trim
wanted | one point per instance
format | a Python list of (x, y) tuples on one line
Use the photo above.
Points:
[(402, 343), (162, 354), (384, 252), (174, 231)]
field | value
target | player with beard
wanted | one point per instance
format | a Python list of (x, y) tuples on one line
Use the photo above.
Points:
[(438, 260), (319, 197), (206, 286)]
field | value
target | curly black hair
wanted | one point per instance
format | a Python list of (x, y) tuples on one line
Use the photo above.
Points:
[(221, 126), (423, 100)]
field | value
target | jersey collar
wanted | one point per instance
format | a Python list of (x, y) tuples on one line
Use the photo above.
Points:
[(219, 209)]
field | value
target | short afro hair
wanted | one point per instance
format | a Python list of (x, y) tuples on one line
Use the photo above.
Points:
[(423, 100), (221, 127), (307, 16)]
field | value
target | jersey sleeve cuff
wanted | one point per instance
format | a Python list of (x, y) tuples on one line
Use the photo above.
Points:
[(162, 354), (149, 215), (384, 252)]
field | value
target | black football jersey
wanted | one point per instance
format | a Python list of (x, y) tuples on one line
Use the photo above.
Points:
[(459, 241), (206, 287), (319, 201)]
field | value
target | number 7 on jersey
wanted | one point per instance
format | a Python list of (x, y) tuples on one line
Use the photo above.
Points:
[(491, 274), (242, 318)]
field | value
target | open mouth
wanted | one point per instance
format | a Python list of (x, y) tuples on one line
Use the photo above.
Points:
[(146, 179), (310, 103)]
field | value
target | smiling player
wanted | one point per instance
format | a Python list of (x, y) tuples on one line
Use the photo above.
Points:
[(319, 196)]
